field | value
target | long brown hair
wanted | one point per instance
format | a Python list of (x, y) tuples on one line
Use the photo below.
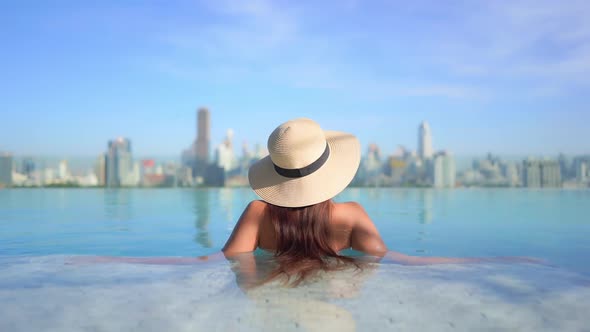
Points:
[(302, 239)]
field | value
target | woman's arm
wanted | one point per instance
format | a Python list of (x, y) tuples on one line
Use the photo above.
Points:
[(364, 236), (244, 237), (399, 258), (144, 260)]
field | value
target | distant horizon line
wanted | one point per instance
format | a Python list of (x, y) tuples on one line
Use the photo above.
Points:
[(154, 156)]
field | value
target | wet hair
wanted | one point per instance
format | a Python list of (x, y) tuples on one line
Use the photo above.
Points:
[(302, 243)]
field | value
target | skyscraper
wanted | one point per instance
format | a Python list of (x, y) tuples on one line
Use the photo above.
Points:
[(100, 169), (224, 156), (443, 170), (582, 172), (203, 134), (5, 170), (119, 162), (424, 141), (550, 174), (372, 162), (200, 155), (581, 168), (541, 173), (28, 166), (63, 171), (510, 172), (531, 176)]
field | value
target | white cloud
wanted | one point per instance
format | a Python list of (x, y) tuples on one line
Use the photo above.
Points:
[(247, 29), (545, 43), (521, 39)]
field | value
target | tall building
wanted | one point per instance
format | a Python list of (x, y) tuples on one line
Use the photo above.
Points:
[(510, 173), (100, 169), (203, 139), (63, 171), (424, 141), (531, 174), (443, 170), (582, 172), (370, 170), (541, 173), (197, 156), (134, 176), (396, 168), (119, 163), (372, 161), (581, 167), (5, 170), (550, 174), (224, 156), (28, 166)]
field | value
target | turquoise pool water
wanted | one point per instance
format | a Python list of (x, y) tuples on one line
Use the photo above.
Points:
[(46, 285), (551, 224)]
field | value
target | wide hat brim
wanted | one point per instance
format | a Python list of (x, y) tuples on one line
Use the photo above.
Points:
[(325, 183)]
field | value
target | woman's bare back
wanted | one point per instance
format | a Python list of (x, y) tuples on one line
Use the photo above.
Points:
[(349, 227)]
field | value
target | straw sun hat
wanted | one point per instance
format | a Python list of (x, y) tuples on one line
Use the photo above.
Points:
[(306, 165)]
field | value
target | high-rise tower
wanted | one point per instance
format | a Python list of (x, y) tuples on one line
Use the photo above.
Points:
[(197, 158), (443, 170), (118, 162), (424, 141), (203, 135)]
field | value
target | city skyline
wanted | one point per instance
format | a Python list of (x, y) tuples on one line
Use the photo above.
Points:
[(423, 167), (423, 146), (74, 148), (83, 162), (76, 76)]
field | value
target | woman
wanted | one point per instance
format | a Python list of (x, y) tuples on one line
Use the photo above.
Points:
[(296, 218)]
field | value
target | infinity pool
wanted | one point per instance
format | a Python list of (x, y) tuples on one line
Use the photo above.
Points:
[(45, 285)]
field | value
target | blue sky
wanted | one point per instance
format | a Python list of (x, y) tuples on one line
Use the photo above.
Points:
[(510, 77)]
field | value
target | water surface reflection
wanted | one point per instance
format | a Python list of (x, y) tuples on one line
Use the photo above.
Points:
[(118, 204), (201, 201)]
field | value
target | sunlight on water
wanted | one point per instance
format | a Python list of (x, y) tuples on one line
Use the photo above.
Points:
[(48, 293)]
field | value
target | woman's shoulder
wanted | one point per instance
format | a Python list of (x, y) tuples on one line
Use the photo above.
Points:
[(256, 204), (352, 212), (350, 207), (255, 209)]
